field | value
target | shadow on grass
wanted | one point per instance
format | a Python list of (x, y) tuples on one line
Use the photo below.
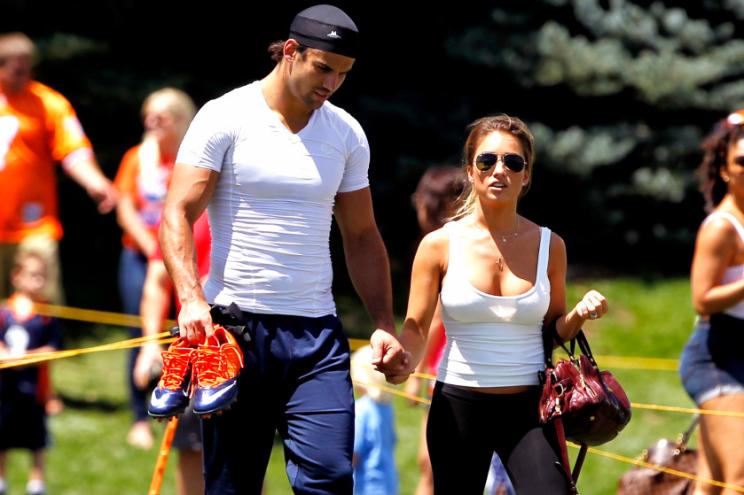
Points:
[(92, 404)]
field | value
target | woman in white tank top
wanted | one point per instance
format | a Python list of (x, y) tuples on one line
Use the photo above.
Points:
[(499, 277), (712, 364)]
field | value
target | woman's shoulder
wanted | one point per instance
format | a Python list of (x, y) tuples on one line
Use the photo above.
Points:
[(722, 218), (537, 230), (128, 168), (439, 237), (130, 157), (557, 245), (719, 224)]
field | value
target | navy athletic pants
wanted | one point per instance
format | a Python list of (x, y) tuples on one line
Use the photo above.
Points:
[(296, 381)]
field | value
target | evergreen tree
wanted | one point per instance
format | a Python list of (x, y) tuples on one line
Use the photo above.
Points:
[(619, 95)]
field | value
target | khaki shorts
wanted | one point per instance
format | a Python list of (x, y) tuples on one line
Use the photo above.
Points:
[(46, 248)]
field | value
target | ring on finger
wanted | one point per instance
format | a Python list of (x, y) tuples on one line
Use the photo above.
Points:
[(593, 315)]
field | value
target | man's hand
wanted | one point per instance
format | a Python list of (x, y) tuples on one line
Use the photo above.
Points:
[(105, 195), (195, 321), (389, 357), (85, 171)]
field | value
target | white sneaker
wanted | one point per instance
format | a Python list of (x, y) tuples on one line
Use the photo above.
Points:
[(35, 487)]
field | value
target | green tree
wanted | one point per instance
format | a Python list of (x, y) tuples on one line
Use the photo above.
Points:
[(623, 94)]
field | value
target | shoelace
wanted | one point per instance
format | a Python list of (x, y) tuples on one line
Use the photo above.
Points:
[(210, 367), (175, 366)]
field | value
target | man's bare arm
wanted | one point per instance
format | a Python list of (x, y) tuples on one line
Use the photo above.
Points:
[(369, 270), (189, 193)]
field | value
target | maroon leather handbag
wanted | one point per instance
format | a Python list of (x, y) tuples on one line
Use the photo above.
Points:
[(587, 405)]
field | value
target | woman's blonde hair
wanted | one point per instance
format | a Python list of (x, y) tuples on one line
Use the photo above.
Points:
[(478, 130), (366, 377), (181, 107)]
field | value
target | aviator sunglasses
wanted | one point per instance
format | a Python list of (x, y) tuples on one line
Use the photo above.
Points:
[(512, 161)]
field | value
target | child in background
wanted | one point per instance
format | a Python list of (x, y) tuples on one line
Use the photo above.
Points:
[(498, 482), (374, 431), (22, 391)]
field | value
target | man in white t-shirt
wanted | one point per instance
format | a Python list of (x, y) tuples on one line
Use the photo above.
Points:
[(275, 161)]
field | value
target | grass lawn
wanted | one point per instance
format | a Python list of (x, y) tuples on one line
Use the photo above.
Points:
[(90, 455)]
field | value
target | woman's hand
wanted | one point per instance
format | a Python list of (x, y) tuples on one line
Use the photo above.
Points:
[(592, 306), (148, 358)]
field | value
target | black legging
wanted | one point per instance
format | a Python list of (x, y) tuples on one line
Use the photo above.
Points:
[(466, 427)]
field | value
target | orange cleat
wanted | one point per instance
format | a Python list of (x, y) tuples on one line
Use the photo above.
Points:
[(217, 364), (171, 396)]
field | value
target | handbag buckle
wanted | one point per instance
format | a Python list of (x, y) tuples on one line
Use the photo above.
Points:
[(559, 389)]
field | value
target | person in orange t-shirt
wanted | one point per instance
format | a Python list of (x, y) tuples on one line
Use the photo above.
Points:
[(142, 181), (38, 128)]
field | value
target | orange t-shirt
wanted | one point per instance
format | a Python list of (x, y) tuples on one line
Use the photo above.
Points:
[(38, 128), (147, 188)]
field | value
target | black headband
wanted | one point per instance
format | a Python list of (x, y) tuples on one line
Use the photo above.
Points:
[(327, 28)]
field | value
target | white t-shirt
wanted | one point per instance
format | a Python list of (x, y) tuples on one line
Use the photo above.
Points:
[(271, 211)]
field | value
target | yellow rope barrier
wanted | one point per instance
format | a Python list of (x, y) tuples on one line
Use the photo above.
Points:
[(104, 317), (395, 391), (10, 362), (119, 319), (93, 316), (638, 363), (690, 410), (129, 320)]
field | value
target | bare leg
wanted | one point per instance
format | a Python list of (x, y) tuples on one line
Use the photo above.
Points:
[(703, 468), (140, 435), (189, 478), (3, 463), (35, 485), (426, 481), (720, 437), (37, 465)]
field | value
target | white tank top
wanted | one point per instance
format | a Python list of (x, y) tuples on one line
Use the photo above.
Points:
[(735, 272), (492, 341)]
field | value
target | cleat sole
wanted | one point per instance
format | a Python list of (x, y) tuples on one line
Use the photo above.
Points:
[(219, 410)]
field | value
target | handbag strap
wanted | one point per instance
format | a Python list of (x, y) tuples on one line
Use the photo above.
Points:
[(551, 338), (584, 346), (564, 465), (549, 334), (685, 436)]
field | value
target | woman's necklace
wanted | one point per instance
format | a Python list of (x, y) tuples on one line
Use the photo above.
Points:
[(509, 235), (505, 238)]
